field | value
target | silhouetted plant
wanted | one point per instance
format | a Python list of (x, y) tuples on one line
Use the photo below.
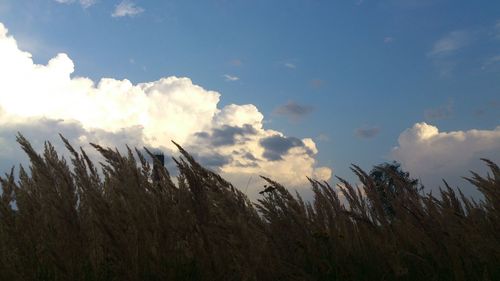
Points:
[(70, 223)]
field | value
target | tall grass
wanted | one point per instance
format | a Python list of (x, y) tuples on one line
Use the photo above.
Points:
[(62, 223)]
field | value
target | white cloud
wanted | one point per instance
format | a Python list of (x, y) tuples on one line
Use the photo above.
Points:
[(231, 78), (431, 155), (87, 3), (450, 43), (40, 100), (388, 39), (290, 65), (491, 61), (126, 8), (497, 29), (83, 3)]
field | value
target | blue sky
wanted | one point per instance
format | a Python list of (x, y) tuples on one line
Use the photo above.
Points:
[(350, 75)]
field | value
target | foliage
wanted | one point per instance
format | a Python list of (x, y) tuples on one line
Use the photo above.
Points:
[(390, 182), (62, 223)]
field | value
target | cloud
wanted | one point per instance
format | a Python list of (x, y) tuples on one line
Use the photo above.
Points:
[(290, 65), (317, 83), (276, 146), (227, 135), (442, 112), (323, 137), (450, 43), (231, 78), (127, 8), (84, 3), (367, 133), (431, 155), (410, 4), (41, 100), (236, 62), (388, 39), (497, 29), (491, 61), (293, 110)]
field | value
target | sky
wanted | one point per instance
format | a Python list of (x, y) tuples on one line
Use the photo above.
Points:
[(286, 89)]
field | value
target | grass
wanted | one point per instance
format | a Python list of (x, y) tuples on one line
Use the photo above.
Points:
[(62, 223)]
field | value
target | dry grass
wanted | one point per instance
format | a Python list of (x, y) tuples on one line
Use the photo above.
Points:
[(62, 223)]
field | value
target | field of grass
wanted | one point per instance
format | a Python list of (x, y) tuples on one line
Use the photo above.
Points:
[(62, 223)]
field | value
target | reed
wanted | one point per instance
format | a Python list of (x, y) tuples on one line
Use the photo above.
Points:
[(71, 222)]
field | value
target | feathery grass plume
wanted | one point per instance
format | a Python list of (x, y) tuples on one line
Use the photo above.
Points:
[(115, 222)]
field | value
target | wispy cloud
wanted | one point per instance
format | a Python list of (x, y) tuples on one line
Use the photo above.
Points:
[(84, 3), (497, 29), (290, 65), (388, 39), (367, 132), (491, 61), (236, 62), (231, 78), (450, 43), (323, 137), (127, 8), (317, 83), (441, 112), (293, 110)]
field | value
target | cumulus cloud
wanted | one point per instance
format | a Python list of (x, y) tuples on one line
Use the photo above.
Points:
[(42, 100), (432, 155), (367, 133), (293, 110), (126, 8)]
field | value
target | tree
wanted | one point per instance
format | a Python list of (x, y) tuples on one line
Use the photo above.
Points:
[(390, 182)]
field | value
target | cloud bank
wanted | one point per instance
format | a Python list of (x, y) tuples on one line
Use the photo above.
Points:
[(43, 100), (432, 155)]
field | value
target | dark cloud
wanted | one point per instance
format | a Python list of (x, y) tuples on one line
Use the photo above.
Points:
[(249, 156), (245, 165), (226, 135), (276, 146), (213, 161), (293, 110), (367, 133)]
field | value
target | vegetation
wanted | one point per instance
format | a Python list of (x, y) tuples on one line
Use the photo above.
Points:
[(62, 223)]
